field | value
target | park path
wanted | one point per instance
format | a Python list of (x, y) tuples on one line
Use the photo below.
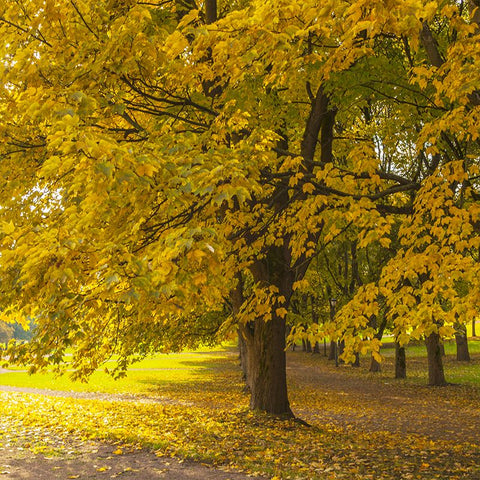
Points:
[(96, 461), (355, 402), (364, 403)]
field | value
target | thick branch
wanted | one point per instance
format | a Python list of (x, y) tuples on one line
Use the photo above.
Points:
[(211, 11), (474, 9), (431, 46), (318, 111)]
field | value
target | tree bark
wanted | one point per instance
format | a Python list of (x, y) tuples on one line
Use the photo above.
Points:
[(436, 374), (242, 351), (341, 348), (211, 11), (356, 363), (463, 355), (333, 350), (236, 300), (374, 365), (267, 367), (400, 361), (474, 334), (266, 340)]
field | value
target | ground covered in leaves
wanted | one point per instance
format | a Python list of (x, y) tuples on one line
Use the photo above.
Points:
[(363, 426)]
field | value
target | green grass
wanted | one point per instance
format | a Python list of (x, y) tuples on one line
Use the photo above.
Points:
[(173, 372), (147, 377), (464, 373)]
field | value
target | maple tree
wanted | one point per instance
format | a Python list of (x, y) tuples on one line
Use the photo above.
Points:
[(164, 159)]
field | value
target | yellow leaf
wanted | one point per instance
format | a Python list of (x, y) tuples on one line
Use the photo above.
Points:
[(308, 188), (8, 227), (118, 451), (145, 170)]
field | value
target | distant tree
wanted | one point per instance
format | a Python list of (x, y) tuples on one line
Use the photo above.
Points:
[(6, 332)]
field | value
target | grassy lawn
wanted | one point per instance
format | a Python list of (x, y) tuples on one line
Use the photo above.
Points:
[(207, 419), (147, 377), (467, 373)]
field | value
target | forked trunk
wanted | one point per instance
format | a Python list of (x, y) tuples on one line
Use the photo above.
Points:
[(436, 375), (400, 361)]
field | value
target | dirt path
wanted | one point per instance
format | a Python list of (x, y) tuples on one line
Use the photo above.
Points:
[(97, 461), (369, 404)]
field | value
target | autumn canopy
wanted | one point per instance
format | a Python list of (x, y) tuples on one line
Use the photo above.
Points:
[(171, 169)]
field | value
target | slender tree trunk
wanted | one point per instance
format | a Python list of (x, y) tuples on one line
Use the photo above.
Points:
[(341, 348), (400, 361), (316, 346), (474, 334), (374, 365), (237, 299), (356, 363), (463, 355), (333, 350), (243, 355), (436, 375)]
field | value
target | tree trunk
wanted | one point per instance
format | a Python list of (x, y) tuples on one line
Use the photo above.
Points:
[(356, 363), (474, 334), (436, 375), (333, 350), (266, 340), (242, 350), (400, 361), (267, 367), (463, 355), (375, 366), (237, 299), (341, 348)]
